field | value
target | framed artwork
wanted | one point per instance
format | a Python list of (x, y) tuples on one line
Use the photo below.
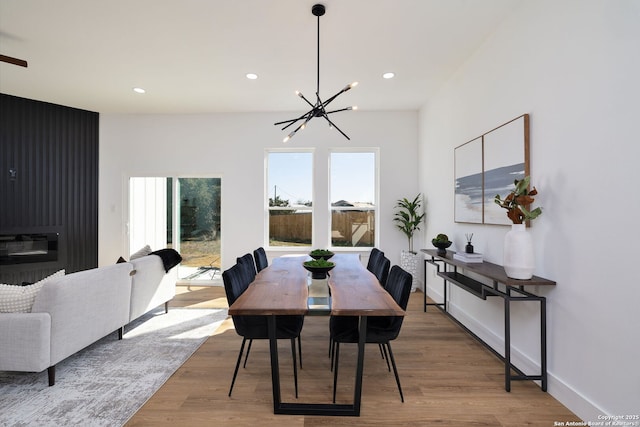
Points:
[(505, 159), (488, 165), (468, 185)]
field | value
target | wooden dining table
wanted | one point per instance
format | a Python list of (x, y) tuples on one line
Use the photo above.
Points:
[(282, 289)]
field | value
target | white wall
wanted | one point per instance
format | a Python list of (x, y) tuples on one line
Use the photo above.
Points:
[(232, 146), (574, 66)]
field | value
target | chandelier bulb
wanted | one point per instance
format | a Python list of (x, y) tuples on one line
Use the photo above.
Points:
[(355, 107)]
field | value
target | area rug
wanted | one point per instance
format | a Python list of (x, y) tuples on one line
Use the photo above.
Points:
[(107, 382)]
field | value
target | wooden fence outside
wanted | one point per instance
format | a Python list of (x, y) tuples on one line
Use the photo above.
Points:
[(349, 228)]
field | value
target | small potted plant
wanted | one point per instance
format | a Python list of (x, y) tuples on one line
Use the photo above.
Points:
[(321, 253), (318, 267), (408, 220), (442, 242), (518, 255)]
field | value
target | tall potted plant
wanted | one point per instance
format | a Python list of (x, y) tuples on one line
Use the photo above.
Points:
[(518, 257), (408, 219)]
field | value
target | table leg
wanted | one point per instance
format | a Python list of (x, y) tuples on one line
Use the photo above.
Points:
[(357, 393), (322, 409), (275, 369)]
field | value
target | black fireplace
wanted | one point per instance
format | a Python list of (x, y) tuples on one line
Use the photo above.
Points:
[(22, 248)]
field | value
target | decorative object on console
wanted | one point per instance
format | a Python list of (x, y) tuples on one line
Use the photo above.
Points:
[(518, 258), (468, 257), (442, 242), (408, 219), (469, 248), (318, 109)]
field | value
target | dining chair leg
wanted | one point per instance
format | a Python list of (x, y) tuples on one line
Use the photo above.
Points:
[(380, 346), (395, 371), (247, 355), (336, 356), (333, 354), (295, 365), (235, 372), (385, 357), (300, 349)]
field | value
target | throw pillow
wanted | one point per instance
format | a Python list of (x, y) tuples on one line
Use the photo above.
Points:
[(19, 299), (140, 253)]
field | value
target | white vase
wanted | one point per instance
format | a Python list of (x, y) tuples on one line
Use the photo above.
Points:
[(518, 253)]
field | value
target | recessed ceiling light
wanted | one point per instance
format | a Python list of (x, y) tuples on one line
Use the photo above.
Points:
[(388, 75), (252, 76), (138, 90)]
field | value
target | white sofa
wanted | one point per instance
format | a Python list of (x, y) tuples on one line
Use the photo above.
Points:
[(73, 311)]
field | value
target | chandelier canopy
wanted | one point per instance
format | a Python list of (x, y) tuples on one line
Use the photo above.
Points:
[(318, 109)]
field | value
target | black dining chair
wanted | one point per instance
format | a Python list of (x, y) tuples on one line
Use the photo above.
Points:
[(255, 327), (374, 257), (380, 329), (381, 269), (248, 266), (261, 259)]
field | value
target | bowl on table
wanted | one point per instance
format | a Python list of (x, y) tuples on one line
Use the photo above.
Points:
[(321, 254), (318, 268)]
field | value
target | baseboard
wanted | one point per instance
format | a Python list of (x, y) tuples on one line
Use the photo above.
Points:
[(560, 390)]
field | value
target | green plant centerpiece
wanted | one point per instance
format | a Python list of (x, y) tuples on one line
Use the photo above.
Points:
[(518, 200), (321, 254), (318, 267), (408, 218), (442, 242)]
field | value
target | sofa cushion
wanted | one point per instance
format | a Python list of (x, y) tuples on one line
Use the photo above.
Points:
[(19, 299), (140, 253)]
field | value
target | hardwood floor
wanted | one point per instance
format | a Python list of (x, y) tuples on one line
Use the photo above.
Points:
[(448, 379)]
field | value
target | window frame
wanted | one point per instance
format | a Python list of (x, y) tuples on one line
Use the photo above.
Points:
[(376, 194), (267, 209)]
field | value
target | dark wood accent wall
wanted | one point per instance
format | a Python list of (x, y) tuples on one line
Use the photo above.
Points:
[(49, 182)]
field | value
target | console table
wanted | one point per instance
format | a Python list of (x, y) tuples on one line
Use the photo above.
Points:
[(502, 286)]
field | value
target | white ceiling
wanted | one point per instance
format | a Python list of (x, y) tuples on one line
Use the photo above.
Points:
[(191, 56)]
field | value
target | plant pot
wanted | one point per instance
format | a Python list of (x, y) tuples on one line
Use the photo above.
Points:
[(318, 272), (410, 262), (518, 257), (442, 247)]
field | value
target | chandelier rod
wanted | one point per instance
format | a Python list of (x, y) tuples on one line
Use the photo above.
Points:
[(318, 79)]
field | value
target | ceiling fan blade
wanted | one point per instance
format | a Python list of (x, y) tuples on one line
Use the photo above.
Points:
[(14, 61)]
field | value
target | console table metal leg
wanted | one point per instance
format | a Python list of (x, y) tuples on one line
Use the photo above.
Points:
[(543, 342), (507, 346), (425, 286)]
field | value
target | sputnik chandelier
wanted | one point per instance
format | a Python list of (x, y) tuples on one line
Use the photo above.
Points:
[(319, 108)]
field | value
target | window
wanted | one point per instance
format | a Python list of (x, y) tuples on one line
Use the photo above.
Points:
[(353, 195), (183, 213), (289, 198)]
